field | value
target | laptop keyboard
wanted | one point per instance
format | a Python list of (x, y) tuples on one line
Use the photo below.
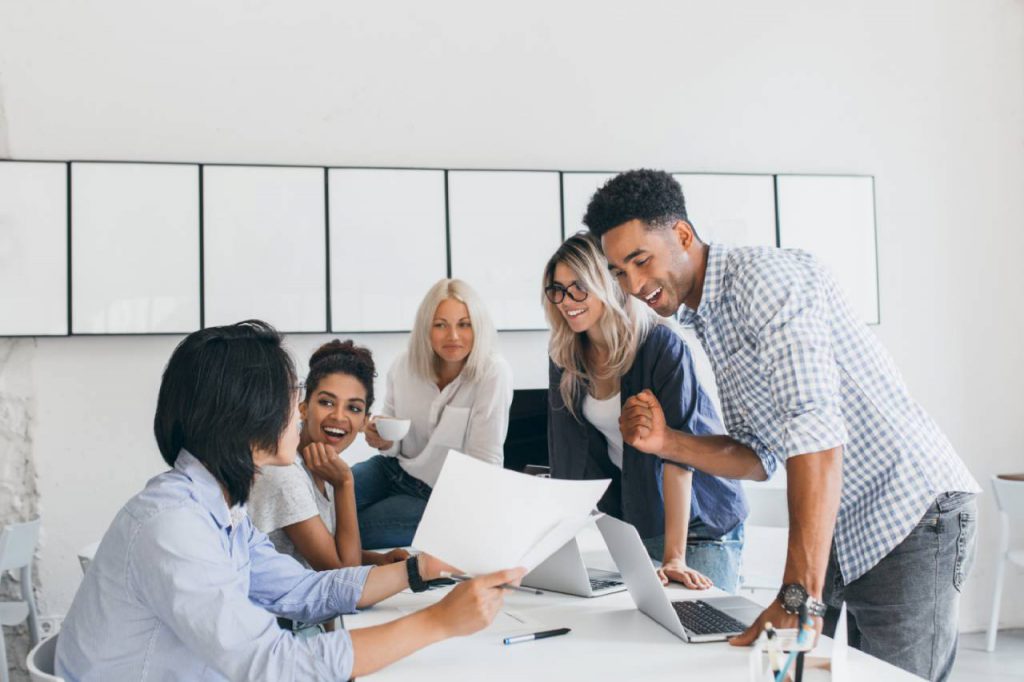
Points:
[(602, 583), (703, 619)]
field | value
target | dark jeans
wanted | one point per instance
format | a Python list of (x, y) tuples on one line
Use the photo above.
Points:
[(905, 609), (389, 502)]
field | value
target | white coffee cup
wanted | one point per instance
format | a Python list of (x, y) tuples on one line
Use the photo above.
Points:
[(392, 428)]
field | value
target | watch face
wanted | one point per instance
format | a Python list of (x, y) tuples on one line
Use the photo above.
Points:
[(793, 596)]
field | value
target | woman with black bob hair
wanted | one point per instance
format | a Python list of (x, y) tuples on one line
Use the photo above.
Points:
[(184, 587), (221, 421)]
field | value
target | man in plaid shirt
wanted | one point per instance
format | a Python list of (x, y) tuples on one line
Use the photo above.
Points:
[(882, 512)]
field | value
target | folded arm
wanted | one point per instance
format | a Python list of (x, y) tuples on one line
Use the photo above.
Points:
[(488, 420)]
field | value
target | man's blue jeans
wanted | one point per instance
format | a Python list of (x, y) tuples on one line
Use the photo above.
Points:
[(389, 502), (717, 557), (905, 609)]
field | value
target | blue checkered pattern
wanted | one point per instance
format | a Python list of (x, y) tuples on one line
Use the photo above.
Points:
[(798, 373)]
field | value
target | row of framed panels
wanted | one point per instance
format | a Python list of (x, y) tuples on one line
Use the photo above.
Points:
[(149, 248)]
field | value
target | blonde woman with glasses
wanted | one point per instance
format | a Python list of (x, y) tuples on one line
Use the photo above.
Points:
[(457, 391), (604, 348)]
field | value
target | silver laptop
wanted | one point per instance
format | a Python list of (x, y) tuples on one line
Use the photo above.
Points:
[(564, 571), (701, 619)]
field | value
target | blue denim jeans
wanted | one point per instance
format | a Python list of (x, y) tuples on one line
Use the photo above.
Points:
[(905, 609), (389, 502), (717, 557)]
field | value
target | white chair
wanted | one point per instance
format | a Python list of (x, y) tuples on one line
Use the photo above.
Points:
[(40, 661), (1009, 494), (86, 555), (765, 540), (17, 545)]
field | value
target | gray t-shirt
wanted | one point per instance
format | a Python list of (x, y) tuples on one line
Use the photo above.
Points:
[(283, 495)]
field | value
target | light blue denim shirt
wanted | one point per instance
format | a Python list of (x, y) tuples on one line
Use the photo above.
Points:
[(182, 588)]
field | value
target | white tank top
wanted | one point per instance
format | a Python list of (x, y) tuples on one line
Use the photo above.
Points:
[(604, 415)]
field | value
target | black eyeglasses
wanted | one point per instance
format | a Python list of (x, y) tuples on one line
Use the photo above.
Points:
[(556, 293)]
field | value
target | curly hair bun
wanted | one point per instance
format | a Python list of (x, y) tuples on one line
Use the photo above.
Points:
[(338, 348), (342, 357)]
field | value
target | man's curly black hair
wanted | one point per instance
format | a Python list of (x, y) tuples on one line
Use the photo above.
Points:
[(652, 196)]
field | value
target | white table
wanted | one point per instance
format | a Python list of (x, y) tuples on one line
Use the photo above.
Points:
[(610, 640)]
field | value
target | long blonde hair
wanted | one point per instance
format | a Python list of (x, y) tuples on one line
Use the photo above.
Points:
[(625, 322), (422, 358)]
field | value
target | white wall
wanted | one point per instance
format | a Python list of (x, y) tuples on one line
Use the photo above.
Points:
[(924, 94)]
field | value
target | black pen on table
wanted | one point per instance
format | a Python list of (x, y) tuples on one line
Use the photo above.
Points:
[(463, 578), (537, 635)]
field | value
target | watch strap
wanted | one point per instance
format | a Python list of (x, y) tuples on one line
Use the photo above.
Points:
[(412, 568), (816, 607)]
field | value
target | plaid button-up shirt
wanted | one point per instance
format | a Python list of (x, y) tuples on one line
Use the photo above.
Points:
[(797, 373)]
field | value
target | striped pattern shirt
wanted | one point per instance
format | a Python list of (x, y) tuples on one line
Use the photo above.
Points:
[(797, 373)]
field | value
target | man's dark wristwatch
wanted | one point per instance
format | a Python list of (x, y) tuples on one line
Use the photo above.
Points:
[(416, 583), (793, 595)]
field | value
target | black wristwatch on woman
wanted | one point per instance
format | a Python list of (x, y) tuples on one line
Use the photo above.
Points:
[(416, 582)]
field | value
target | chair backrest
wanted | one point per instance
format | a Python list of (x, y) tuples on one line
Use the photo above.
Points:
[(1009, 496), (764, 538), (86, 554), (18, 544), (40, 661), (769, 506)]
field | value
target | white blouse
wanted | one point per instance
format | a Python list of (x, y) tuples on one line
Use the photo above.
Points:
[(604, 415), (471, 417)]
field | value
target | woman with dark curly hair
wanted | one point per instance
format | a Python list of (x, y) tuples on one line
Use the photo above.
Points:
[(308, 509)]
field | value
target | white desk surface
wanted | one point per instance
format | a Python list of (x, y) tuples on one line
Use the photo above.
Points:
[(610, 640)]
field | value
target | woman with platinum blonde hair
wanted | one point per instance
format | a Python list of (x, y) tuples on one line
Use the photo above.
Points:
[(456, 390), (605, 347)]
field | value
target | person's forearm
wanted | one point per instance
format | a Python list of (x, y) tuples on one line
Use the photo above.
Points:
[(382, 582), (677, 484), (379, 646), (346, 534), (814, 486), (715, 455)]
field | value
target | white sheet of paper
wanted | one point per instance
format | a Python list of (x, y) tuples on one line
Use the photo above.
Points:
[(481, 518)]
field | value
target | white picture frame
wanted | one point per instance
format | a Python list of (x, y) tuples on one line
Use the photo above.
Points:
[(733, 209), (833, 217), (33, 248), (503, 227), (264, 246), (134, 248), (388, 245)]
